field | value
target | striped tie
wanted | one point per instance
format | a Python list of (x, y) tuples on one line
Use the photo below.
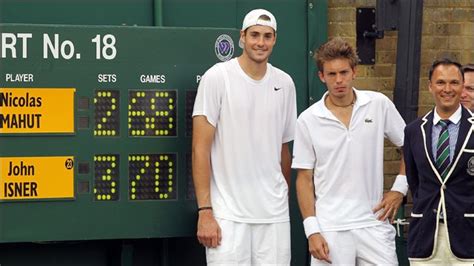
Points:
[(442, 153)]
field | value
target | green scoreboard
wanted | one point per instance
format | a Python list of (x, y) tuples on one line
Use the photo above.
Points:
[(95, 129)]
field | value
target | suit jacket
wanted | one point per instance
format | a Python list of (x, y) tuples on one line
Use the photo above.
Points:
[(430, 193)]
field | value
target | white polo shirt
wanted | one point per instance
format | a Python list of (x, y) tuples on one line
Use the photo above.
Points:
[(347, 162), (253, 118)]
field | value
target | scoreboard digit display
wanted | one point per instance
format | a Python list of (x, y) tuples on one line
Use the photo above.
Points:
[(95, 129), (152, 113), (106, 177), (152, 176), (106, 113)]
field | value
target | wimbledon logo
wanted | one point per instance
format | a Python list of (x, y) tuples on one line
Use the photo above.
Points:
[(224, 47)]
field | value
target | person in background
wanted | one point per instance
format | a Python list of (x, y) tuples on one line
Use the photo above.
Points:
[(467, 96), (439, 157)]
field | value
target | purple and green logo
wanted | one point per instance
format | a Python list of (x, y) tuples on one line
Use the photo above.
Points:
[(224, 47)]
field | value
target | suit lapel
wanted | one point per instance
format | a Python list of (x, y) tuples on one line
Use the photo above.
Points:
[(465, 129), (427, 128)]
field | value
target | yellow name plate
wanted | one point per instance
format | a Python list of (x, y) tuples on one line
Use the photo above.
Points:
[(36, 177), (37, 110)]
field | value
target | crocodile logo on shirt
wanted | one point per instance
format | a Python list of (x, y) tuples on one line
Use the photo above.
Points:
[(368, 120)]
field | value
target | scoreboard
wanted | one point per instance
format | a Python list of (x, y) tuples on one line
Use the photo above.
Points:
[(95, 129)]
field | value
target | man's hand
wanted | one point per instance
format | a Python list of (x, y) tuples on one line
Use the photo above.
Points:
[(389, 205), (208, 231), (318, 247)]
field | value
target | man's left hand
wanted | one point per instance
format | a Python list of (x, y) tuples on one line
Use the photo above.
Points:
[(389, 205)]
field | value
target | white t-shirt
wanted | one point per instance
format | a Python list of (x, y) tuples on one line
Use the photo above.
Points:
[(252, 120), (347, 163)]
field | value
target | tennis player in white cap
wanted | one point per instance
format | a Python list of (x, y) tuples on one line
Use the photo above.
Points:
[(244, 116)]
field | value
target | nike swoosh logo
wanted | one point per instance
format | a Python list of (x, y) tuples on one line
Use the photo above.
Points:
[(276, 88)]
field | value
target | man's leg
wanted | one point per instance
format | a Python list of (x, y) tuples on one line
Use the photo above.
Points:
[(376, 245), (271, 244), (442, 255), (341, 249), (235, 245)]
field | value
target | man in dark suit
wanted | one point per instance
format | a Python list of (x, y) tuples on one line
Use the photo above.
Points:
[(439, 157)]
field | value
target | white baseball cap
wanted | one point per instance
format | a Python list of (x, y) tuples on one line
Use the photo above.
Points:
[(254, 17)]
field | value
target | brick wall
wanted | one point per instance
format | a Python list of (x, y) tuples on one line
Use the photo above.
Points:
[(447, 30)]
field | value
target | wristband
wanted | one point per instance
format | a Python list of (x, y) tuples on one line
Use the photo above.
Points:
[(311, 226), (400, 184), (204, 208)]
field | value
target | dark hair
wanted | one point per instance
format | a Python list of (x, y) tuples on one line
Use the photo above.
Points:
[(445, 62), (336, 48), (468, 68)]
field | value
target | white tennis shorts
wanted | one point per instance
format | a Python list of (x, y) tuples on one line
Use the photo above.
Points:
[(364, 246), (251, 244)]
